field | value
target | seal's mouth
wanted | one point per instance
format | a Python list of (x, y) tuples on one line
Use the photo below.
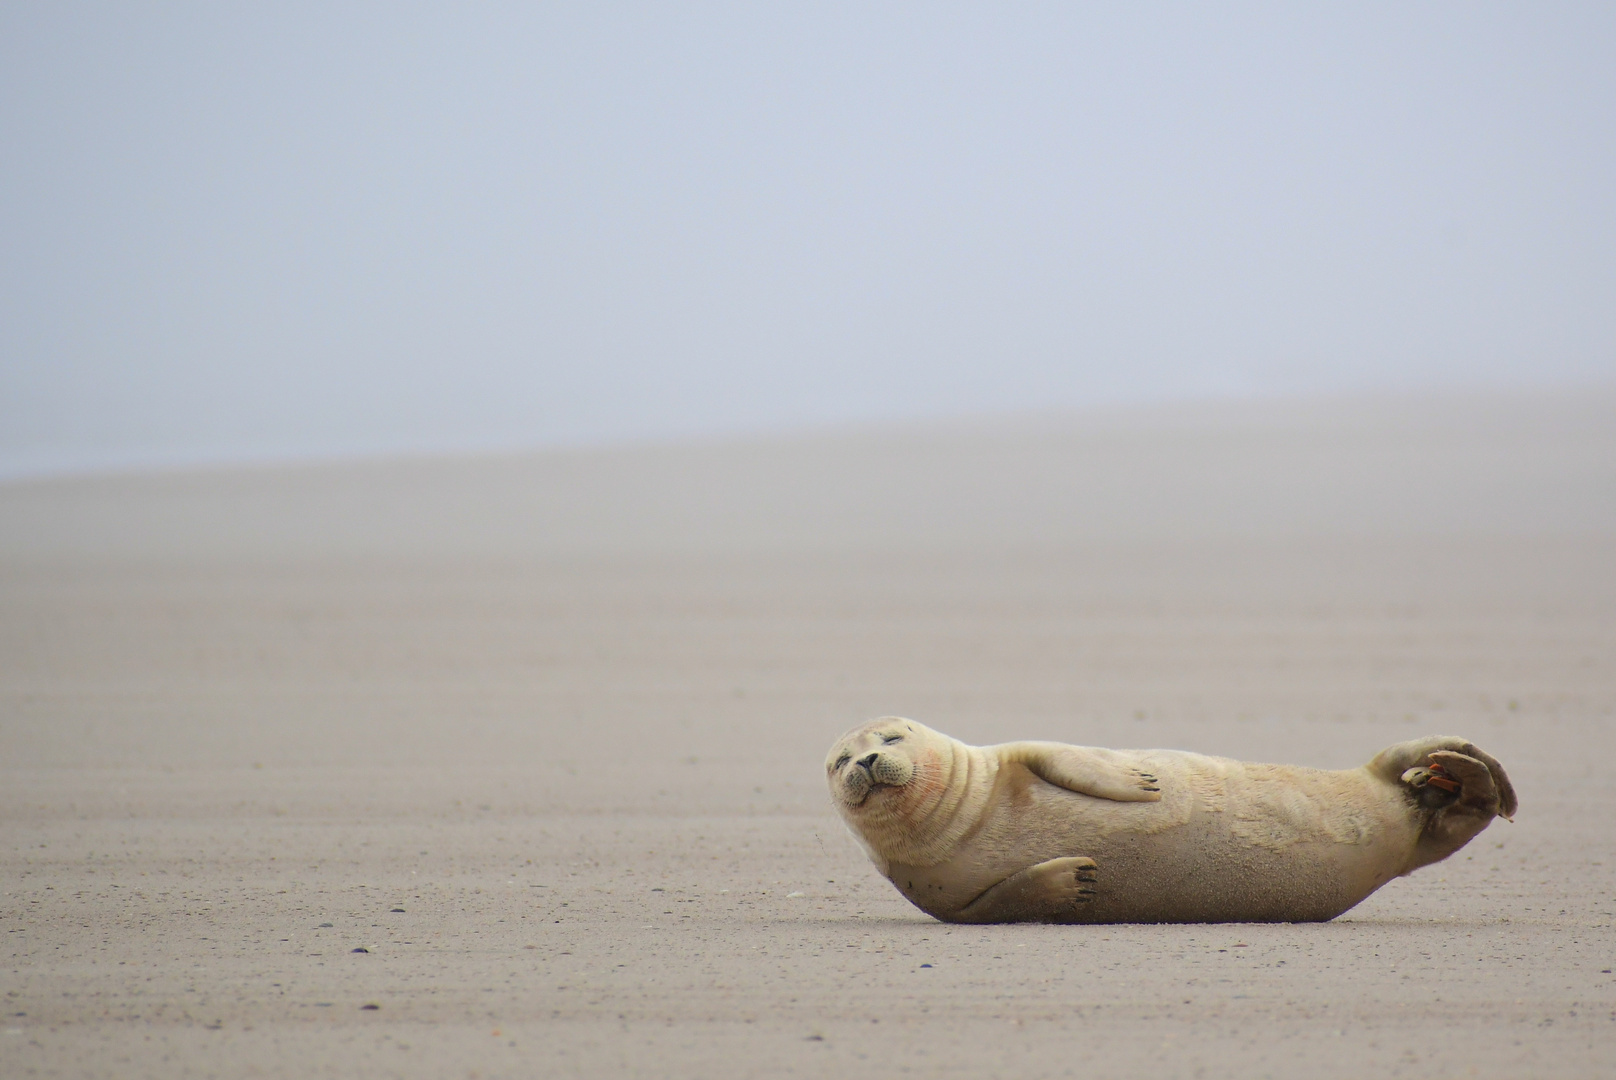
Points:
[(871, 786), (870, 791)]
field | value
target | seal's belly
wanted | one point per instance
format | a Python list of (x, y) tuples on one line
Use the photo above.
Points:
[(1228, 842)]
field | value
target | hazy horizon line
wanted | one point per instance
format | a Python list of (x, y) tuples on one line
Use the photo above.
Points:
[(49, 467)]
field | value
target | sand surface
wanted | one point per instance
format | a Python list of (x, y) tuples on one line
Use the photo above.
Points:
[(544, 735)]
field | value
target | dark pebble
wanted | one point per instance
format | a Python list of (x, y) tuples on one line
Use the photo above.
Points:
[(326, 924), (362, 949), (399, 910), (925, 965), (371, 1008)]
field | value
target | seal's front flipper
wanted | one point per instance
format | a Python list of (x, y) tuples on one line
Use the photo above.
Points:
[(1051, 891), (1104, 774)]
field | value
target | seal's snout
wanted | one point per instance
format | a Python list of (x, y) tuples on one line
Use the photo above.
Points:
[(887, 770)]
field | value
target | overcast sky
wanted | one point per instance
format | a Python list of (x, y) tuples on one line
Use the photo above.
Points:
[(245, 232)]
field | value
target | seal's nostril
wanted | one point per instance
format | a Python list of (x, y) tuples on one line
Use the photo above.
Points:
[(868, 760)]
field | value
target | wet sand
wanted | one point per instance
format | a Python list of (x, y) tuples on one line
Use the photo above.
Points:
[(543, 735)]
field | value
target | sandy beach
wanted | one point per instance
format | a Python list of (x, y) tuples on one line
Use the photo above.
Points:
[(511, 766)]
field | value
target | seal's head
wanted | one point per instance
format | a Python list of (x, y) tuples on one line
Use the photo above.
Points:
[(892, 780), (872, 760)]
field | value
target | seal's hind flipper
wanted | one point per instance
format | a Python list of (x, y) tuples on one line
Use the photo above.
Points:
[(1440, 767), (1464, 776), (1458, 787), (1104, 774)]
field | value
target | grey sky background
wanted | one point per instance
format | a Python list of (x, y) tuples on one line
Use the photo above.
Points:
[(233, 232)]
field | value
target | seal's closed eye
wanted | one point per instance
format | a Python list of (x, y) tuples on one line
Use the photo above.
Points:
[(888, 740), (843, 760)]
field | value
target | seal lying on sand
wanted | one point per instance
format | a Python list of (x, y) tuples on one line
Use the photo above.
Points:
[(1045, 832)]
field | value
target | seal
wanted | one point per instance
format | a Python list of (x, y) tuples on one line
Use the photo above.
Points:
[(1046, 832)]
